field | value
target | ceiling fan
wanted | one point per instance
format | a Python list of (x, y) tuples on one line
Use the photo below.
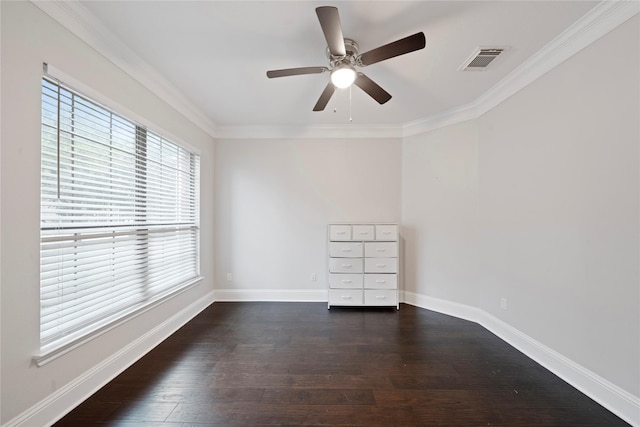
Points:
[(344, 57)]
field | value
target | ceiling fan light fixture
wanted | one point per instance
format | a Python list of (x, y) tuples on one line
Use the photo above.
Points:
[(343, 76)]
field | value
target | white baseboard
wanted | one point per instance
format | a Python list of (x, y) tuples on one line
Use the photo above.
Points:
[(56, 405), (290, 295), (619, 401)]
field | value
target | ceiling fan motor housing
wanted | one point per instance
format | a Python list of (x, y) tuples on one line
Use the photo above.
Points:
[(352, 49)]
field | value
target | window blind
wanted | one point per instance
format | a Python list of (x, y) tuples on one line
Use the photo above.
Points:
[(119, 217)]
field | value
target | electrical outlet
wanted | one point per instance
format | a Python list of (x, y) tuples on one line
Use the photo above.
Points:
[(314, 277), (503, 303), (229, 277)]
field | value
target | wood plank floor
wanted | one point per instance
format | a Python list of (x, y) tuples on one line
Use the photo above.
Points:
[(285, 364)]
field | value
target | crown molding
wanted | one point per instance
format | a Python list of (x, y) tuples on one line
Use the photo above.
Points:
[(347, 131), (79, 21), (440, 120), (603, 18)]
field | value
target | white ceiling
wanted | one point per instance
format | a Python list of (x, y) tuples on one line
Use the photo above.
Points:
[(216, 53)]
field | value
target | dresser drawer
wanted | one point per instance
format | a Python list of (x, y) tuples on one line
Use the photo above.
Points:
[(363, 232), (345, 265), (339, 232), (345, 296), (345, 281), (381, 249), (345, 249), (381, 265), (380, 297), (387, 232), (381, 281)]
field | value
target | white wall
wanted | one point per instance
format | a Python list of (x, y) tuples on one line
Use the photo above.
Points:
[(274, 199), (537, 201), (439, 209), (562, 231), (29, 38)]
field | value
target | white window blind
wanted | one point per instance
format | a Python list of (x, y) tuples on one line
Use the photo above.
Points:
[(119, 217)]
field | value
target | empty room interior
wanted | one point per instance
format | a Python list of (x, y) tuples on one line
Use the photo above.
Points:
[(190, 195)]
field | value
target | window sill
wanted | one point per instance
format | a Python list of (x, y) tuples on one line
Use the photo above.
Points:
[(48, 355)]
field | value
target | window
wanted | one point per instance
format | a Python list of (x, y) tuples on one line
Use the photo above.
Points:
[(119, 220)]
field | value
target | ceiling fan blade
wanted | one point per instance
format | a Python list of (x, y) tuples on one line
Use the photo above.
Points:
[(396, 48), (330, 23), (372, 88), (325, 97), (296, 71)]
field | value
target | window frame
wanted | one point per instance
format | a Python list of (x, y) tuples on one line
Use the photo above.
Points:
[(57, 347)]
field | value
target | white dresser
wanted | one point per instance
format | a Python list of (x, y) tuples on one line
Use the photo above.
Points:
[(363, 264)]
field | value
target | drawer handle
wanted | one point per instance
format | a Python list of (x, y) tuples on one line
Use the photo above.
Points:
[(381, 249), (346, 250), (346, 297), (341, 232), (346, 265), (381, 265), (363, 233), (346, 281), (381, 297), (386, 232), (381, 281)]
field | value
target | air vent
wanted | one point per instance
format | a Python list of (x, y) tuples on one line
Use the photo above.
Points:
[(481, 58)]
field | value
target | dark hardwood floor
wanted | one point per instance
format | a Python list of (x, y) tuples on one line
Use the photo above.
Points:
[(284, 364)]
